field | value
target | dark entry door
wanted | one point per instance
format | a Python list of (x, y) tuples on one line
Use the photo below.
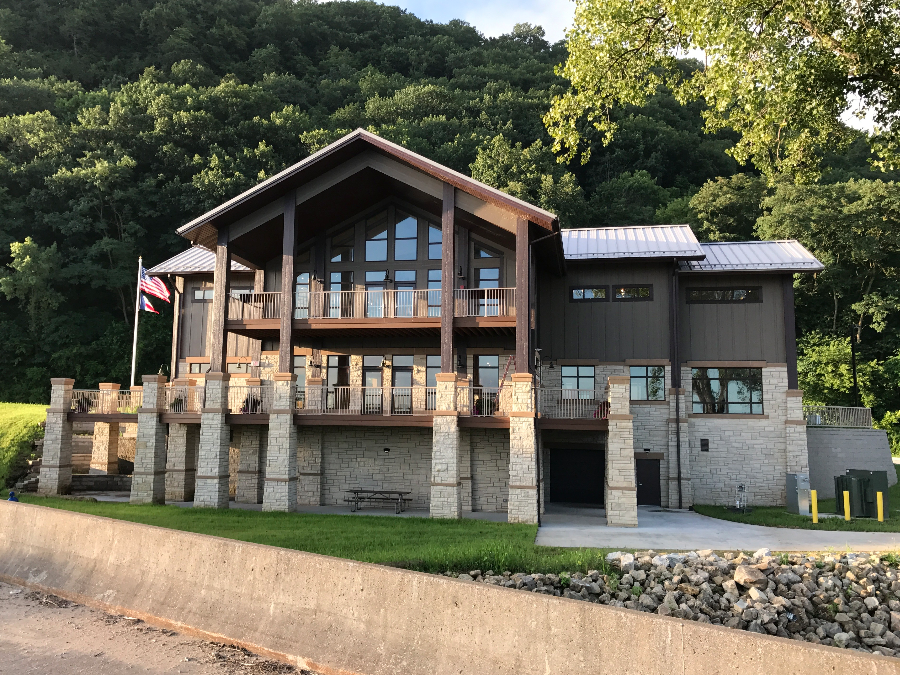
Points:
[(648, 489), (576, 476)]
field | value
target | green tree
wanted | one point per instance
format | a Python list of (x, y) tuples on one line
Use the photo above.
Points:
[(727, 208), (780, 73)]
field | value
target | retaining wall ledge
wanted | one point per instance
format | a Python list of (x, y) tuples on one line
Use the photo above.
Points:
[(343, 617)]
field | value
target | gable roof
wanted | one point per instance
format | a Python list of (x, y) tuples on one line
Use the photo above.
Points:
[(196, 260), (644, 241), (787, 255), (198, 230)]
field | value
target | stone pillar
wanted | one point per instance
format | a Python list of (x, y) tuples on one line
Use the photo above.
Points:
[(309, 466), (181, 462), (105, 448), (215, 437), (446, 501), (148, 483), (679, 425), (522, 505), (249, 466), (621, 486), (56, 463), (280, 491), (465, 468), (795, 434)]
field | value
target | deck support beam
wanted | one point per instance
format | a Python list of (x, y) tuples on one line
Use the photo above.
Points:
[(221, 280), (448, 276), (522, 300), (285, 337)]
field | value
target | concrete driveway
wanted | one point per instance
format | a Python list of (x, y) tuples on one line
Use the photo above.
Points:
[(685, 530)]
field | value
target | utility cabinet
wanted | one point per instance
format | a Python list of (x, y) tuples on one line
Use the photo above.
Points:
[(798, 496)]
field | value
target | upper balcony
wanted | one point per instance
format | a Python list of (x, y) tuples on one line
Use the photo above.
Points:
[(413, 308)]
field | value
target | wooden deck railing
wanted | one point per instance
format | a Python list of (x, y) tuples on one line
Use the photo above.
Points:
[(484, 401), (573, 404), (484, 302), (185, 399), (365, 400), (250, 399), (248, 306), (106, 401), (837, 416)]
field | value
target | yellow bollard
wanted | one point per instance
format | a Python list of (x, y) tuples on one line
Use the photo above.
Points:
[(846, 505), (813, 498), (880, 497)]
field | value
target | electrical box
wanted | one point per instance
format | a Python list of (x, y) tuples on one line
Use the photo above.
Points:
[(875, 482), (856, 486), (798, 497)]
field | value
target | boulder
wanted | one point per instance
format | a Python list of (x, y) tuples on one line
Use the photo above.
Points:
[(749, 576)]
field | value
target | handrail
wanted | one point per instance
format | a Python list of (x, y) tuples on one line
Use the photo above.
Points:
[(837, 416), (484, 302), (321, 400), (370, 304), (106, 401), (249, 399), (246, 306), (560, 403), (483, 401), (185, 399)]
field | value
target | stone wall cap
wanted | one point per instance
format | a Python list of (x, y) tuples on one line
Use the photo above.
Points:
[(154, 379), (285, 377), (794, 393), (218, 377), (136, 387), (253, 382), (522, 377), (315, 381), (445, 377), (619, 379), (181, 382), (62, 381), (112, 386)]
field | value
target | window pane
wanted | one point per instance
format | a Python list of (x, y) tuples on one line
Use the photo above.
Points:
[(638, 371), (405, 275), (372, 361), (633, 293), (569, 371), (586, 371), (638, 389), (435, 238), (569, 382), (433, 361), (402, 361), (406, 227), (405, 249), (656, 387), (578, 294), (342, 246), (376, 243), (484, 253), (488, 361)]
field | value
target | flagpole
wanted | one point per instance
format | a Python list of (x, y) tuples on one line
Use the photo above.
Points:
[(137, 310)]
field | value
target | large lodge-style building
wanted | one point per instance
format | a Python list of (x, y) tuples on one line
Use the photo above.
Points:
[(371, 319)]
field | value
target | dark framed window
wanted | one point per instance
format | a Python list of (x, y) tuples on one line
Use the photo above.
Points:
[(203, 294), (435, 243), (589, 294), (342, 246), (301, 296), (376, 240), (238, 368), (300, 370), (727, 391), (434, 293), (578, 379), (406, 237), (632, 293), (198, 368), (340, 305), (711, 296), (487, 371), (432, 368), (648, 383)]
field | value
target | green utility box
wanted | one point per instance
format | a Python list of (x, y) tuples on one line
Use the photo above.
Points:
[(856, 487), (875, 482)]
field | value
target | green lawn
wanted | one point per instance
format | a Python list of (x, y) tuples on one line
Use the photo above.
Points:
[(19, 426), (414, 543), (776, 516)]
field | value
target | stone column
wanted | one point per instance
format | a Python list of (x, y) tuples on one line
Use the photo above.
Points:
[(181, 462), (215, 437), (446, 500), (679, 425), (148, 483), (280, 491), (249, 465), (105, 448), (309, 466), (621, 486), (522, 505), (56, 463), (795, 434)]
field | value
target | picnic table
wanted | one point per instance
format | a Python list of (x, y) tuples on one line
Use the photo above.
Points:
[(396, 497)]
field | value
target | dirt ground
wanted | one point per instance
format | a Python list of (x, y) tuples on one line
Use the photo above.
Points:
[(46, 634)]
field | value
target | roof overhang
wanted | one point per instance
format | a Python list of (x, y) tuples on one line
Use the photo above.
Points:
[(786, 256)]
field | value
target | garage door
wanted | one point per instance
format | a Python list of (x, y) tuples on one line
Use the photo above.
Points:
[(575, 476)]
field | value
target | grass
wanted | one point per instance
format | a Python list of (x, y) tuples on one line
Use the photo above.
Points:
[(19, 426), (413, 543), (776, 516)]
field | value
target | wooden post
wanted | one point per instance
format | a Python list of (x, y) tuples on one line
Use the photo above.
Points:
[(285, 337), (176, 325), (259, 286), (221, 280), (448, 276), (522, 300)]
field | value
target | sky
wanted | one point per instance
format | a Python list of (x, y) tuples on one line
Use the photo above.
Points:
[(496, 17)]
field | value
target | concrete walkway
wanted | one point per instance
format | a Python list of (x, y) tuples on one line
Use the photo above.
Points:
[(685, 530)]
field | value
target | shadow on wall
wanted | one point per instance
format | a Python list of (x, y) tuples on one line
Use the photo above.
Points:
[(833, 450)]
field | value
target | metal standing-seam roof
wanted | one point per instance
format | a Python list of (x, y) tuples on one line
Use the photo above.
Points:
[(195, 260), (644, 241), (787, 255)]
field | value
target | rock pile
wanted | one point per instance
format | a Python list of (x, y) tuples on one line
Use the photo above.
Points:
[(848, 601)]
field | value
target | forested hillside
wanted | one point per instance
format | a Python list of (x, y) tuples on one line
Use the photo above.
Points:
[(119, 121)]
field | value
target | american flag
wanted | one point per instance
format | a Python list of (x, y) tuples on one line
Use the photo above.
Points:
[(146, 306), (153, 286)]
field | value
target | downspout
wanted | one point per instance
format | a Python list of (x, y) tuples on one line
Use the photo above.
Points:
[(676, 377)]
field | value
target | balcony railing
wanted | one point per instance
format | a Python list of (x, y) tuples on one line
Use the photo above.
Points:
[(106, 401), (365, 400), (837, 416), (573, 404), (484, 401), (185, 399), (484, 302), (250, 399), (246, 306)]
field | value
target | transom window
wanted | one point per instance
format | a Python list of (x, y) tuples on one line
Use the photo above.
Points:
[(632, 292), (377, 239), (481, 252), (405, 237), (648, 383), (578, 382), (342, 246), (589, 294), (203, 294), (731, 391), (724, 295), (435, 243)]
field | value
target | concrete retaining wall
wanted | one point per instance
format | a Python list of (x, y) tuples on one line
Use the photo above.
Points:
[(833, 450), (344, 617)]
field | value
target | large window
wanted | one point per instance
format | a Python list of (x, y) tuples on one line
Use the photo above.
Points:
[(632, 293), (731, 391), (406, 237), (300, 370), (434, 293), (578, 382), (703, 296), (301, 296), (340, 304), (648, 383), (487, 371), (405, 283), (342, 246), (435, 241), (377, 239)]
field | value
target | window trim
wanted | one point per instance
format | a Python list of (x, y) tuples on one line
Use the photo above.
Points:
[(761, 403), (693, 289), (572, 289), (613, 288), (647, 379)]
